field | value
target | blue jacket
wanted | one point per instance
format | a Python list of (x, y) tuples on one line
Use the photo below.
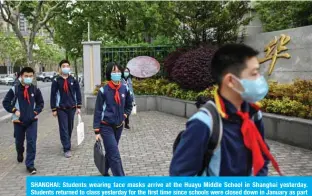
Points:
[(129, 84), (107, 110), (60, 99), (231, 158), (28, 112)]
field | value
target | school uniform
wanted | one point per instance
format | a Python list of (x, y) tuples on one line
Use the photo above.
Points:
[(111, 104), (234, 156), (65, 98), (128, 82), (29, 103)]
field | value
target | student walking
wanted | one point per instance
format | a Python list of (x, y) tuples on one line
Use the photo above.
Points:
[(65, 102), (240, 150), (113, 106), (126, 79), (25, 102)]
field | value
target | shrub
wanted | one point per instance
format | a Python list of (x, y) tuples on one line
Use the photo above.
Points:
[(300, 90), (193, 69), (286, 107), (170, 60), (285, 99)]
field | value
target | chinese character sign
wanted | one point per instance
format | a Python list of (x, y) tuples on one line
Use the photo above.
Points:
[(274, 50)]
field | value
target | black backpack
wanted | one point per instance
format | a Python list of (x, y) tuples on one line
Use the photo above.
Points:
[(215, 136)]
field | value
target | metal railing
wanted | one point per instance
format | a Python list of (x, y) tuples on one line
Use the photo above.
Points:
[(123, 54)]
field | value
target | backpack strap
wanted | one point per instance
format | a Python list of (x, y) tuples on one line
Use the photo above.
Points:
[(35, 91), (15, 91), (215, 133)]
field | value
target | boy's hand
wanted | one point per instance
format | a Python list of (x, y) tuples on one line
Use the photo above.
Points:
[(97, 137), (17, 113), (78, 111), (54, 113)]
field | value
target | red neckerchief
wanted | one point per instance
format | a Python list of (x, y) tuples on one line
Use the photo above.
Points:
[(26, 95), (116, 88), (251, 136), (65, 85)]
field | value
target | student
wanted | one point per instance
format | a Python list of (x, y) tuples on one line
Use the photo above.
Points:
[(113, 106), (242, 151), (126, 79), (65, 102), (26, 105)]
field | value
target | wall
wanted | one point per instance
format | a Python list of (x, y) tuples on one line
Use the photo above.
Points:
[(299, 47)]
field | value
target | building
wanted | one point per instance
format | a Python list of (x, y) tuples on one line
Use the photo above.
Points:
[(23, 25)]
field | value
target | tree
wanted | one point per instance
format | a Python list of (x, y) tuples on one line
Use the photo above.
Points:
[(37, 13), (156, 19), (279, 15), (119, 22), (70, 30), (11, 48), (48, 55), (210, 21)]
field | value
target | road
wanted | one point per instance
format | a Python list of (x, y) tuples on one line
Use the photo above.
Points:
[(45, 89)]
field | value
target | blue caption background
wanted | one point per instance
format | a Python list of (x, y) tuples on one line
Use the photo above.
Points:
[(273, 186)]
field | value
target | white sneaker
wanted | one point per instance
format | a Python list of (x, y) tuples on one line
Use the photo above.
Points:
[(67, 154)]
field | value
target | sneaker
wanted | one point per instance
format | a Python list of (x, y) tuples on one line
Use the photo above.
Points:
[(67, 154), (127, 127), (20, 158), (32, 170)]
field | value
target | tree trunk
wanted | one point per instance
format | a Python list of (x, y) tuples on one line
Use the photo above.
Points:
[(30, 59), (76, 68)]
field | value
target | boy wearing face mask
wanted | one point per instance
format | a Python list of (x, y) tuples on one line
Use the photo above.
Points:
[(25, 102), (242, 150), (128, 82), (113, 106), (65, 102)]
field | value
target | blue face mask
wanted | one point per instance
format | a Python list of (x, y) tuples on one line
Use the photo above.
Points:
[(126, 74), (28, 80), (65, 70), (116, 77), (255, 90)]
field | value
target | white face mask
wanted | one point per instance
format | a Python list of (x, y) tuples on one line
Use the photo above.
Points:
[(254, 90), (65, 70)]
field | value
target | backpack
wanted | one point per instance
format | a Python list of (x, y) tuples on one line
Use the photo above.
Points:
[(215, 135)]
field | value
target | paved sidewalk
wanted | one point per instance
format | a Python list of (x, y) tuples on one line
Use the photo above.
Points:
[(146, 150)]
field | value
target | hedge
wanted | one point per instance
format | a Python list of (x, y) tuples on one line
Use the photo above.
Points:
[(286, 99)]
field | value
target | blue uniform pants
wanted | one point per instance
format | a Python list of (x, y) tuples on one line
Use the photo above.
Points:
[(30, 131), (66, 124), (112, 155)]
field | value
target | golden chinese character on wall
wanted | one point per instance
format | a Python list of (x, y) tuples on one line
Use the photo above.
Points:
[(274, 50)]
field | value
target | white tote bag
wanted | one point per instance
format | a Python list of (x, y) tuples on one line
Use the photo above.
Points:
[(134, 109), (80, 130)]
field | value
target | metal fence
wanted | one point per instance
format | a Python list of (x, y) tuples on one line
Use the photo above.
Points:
[(122, 55)]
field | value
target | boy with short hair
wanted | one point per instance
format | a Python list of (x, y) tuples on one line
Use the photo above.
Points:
[(242, 150), (25, 102), (65, 102)]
